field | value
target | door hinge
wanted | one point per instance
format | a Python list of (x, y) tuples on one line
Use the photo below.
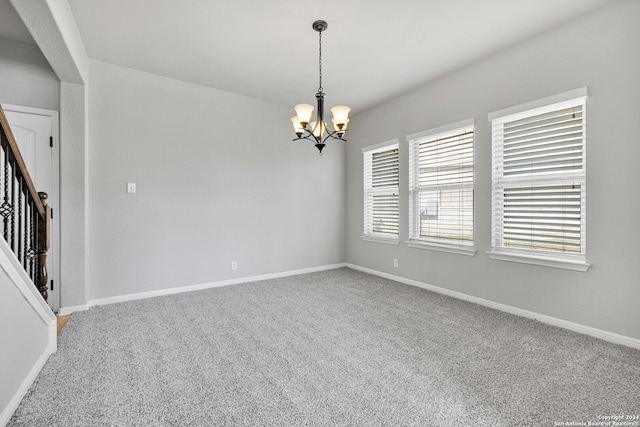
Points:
[(51, 284), (51, 141)]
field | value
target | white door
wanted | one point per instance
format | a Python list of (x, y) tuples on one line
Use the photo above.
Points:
[(35, 132)]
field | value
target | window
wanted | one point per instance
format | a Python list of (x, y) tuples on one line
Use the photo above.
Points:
[(538, 202), (381, 182), (441, 188)]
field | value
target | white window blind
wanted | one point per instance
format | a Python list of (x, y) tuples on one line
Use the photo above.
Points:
[(441, 181), (381, 182), (539, 175)]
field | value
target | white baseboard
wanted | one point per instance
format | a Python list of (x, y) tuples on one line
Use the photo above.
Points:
[(190, 288), (576, 327), (28, 380)]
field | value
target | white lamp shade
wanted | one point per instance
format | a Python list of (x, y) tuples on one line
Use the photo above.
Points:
[(297, 127), (337, 128), (340, 114), (304, 112)]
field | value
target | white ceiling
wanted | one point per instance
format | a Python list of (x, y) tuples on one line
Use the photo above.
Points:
[(372, 50)]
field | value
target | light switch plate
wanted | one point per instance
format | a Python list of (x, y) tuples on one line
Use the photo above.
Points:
[(131, 187)]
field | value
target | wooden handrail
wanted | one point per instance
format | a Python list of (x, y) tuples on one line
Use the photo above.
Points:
[(31, 214)]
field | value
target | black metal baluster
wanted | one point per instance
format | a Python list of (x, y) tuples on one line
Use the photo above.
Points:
[(20, 252), (36, 258), (32, 244), (13, 213), (25, 228), (5, 208), (27, 234)]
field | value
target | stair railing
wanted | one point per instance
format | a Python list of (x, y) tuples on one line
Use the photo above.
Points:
[(24, 213)]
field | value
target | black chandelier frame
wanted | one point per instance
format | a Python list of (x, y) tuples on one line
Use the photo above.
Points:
[(307, 132)]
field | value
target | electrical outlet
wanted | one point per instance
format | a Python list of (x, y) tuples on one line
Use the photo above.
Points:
[(395, 262), (234, 265)]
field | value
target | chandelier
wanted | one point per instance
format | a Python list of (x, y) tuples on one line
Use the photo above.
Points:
[(317, 131)]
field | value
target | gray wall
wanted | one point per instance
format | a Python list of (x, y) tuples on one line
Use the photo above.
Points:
[(600, 51), (26, 78), (218, 180), (73, 195)]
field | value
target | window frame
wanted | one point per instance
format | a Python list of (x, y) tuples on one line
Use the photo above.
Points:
[(368, 190), (500, 182), (459, 247)]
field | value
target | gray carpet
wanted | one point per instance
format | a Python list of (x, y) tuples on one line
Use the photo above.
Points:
[(336, 348)]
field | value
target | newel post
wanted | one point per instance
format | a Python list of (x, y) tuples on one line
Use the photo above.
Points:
[(44, 241)]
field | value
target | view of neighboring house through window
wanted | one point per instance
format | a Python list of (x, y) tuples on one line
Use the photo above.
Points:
[(441, 181), (539, 180), (381, 182)]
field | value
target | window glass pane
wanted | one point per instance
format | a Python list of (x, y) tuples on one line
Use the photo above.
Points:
[(446, 161), (385, 213), (381, 202), (543, 218), (385, 168), (441, 182), (447, 215), (550, 142)]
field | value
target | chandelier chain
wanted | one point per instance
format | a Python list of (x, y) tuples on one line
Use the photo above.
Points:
[(320, 60)]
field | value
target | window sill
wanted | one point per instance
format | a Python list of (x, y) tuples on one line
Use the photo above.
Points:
[(453, 249), (566, 264), (385, 240)]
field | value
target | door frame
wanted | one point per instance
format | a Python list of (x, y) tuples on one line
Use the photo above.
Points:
[(53, 199)]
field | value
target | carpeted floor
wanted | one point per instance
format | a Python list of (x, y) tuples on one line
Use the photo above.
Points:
[(335, 348)]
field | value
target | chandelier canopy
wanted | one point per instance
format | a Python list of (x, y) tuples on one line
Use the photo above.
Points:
[(317, 131)]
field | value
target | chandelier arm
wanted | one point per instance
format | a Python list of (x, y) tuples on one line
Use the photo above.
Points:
[(308, 136), (332, 135), (305, 137), (311, 137)]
